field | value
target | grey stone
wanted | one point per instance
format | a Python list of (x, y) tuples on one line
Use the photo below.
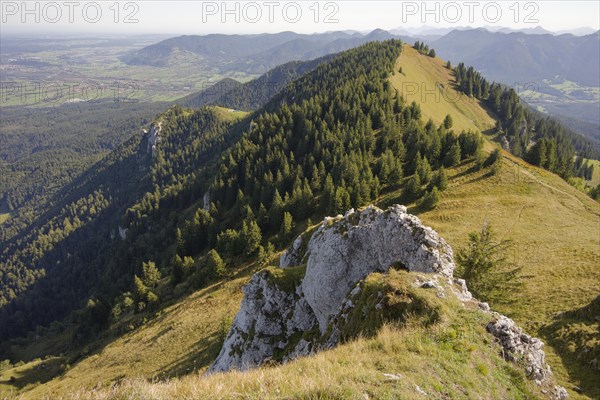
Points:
[(372, 240), (517, 345)]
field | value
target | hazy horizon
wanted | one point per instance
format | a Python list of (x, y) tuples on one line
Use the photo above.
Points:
[(244, 17)]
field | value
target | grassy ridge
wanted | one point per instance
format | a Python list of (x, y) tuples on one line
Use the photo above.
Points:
[(555, 231), (429, 83), (555, 228)]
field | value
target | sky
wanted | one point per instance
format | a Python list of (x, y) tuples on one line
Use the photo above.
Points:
[(204, 17)]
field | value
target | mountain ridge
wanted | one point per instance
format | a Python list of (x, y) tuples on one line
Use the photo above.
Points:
[(346, 116)]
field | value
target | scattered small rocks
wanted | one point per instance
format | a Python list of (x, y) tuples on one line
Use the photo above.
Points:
[(429, 285), (392, 377), (520, 347), (560, 393), (420, 391)]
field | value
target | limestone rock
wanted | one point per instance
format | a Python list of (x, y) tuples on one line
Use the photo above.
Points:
[(273, 322), (520, 346), (293, 255), (560, 393), (344, 252), (268, 317), (152, 138)]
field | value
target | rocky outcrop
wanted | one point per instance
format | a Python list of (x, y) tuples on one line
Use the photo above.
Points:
[(301, 307), (122, 232), (519, 347), (206, 201), (294, 254), (344, 251), (275, 322), (269, 319), (151, 138)]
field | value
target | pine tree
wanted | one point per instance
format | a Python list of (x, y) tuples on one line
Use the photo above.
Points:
[(276, 211), (229, 243), (180, 241), (447, 122), (342, 201), (286, 227), (453, 156), (441, 179), (178, 272), (537, 154), (412, 190), (430, 200), (485, 266), (150, 274), (424, 171), (250, 236), (214, 264), (139, 291)]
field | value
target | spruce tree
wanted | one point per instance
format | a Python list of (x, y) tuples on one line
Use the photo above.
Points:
[(412, 190), (286, 227), (214, 264), (150, 274), (485, 265), (447, 122), (441, 179), (453, 156), (250, 236), (424, 171), (430, 200)]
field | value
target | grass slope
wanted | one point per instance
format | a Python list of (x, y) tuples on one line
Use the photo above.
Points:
[(555, 228), (460, 358), (429, 83), (182, 338)]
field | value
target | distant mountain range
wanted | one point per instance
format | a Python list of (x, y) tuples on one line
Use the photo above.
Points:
[(533, 55), (504, 55), (519, 57), (252, 95), (253, 54), (538, 30)]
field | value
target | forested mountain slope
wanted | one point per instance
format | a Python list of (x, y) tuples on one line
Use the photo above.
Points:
[(64, 257), (219, 198), (45, 149), (254, 94)]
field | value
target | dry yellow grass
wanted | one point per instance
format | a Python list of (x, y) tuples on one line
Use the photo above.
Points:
[(454, 359), (182, 336), (429, 83)]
